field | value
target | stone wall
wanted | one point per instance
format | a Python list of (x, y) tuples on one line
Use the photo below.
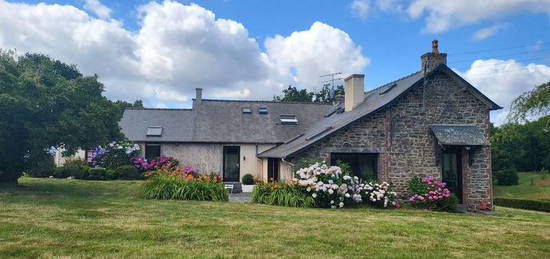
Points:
[(406, 147)]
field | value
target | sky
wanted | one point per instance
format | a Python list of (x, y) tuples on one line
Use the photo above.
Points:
[(160, 51)]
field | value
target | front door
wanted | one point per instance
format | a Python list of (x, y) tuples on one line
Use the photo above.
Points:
[(273, 169), (231, 164), (452, 171)]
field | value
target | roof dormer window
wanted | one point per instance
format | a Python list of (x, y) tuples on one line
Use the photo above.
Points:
[(155, 131), (289, 119), (247, 110), (263, 110)]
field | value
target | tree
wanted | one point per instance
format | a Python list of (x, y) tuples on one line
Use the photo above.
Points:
[(523, 147), (291, 94), (532, 103), (325, 95), (45, 103)]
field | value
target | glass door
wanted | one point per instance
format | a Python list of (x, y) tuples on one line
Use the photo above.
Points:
[(231, 164), (452, 172)]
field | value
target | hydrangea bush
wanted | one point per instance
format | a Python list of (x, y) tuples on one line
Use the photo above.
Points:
[(115, 154), (431, 194), (164, 161), (332, 187)]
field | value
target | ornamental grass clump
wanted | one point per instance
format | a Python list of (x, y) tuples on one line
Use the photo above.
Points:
[(431, 194), (176, 184)]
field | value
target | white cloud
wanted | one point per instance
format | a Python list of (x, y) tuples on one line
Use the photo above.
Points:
[(504, 80), (442, 15), (487, 32), (98, 8), (320, 50), (360, 8), (175, 49)]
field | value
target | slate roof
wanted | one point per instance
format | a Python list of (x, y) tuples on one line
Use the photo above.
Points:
[(222, 121), (459, 135), (177, 124), (375, 100)]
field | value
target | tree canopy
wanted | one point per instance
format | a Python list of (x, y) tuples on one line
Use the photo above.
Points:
[(45, 103), (522, 147), (532, 103), (326, 94)]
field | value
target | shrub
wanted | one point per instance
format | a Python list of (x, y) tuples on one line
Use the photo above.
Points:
[(60, 172), (163, 162), (177, 185), (321, 186), (97, 173), (281, 195), (248, 179), (116, 154), (111, 174), (128, 172), (77, 168), (431, 194), (41, 166), (523, 204), (507, 177)]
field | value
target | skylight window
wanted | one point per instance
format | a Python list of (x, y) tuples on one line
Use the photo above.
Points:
[(289, 119), (388, 89), (154, 131), (263, 110), (247, 110)]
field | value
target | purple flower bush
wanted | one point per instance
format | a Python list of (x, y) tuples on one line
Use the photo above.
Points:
[(114, 155), (432, 194), (163, 162)]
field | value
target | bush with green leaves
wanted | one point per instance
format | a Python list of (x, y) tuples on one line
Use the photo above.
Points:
[(176, 184), (431, 194), (97, 173), (523, 204), (248, 179), (280, 194), (506, 177), (128, 172), (77, 168), (60, 172), (111, 174), (41, 165)]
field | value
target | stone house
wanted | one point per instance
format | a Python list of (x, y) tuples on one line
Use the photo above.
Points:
[(429, 123)]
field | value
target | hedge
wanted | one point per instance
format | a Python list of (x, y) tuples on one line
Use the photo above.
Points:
[(523, 204)]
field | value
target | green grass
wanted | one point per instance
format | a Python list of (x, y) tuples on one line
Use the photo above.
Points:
[(74, 218), (531, 186)]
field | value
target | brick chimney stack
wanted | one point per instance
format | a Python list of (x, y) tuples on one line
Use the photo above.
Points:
[(433, 59)]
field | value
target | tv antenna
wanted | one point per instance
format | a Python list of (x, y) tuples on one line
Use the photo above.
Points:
[(333, 78)]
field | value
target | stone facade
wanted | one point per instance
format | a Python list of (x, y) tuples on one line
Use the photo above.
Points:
[(401, 136)]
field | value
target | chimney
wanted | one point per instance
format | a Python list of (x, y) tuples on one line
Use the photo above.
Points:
[(354, 91), (198, 98), (433, 59)]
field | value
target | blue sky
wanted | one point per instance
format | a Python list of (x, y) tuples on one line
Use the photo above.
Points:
[(502, 47)]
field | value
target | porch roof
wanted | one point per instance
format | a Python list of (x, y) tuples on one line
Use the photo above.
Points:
[(459, 135)]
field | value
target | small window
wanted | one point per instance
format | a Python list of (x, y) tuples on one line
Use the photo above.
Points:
[(247, 110), (152, 151), (154, 131), (388, 89), (263, 110), (288, 119)]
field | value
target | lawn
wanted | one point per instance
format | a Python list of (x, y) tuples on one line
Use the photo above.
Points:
[(532, 186), (74, 218)]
